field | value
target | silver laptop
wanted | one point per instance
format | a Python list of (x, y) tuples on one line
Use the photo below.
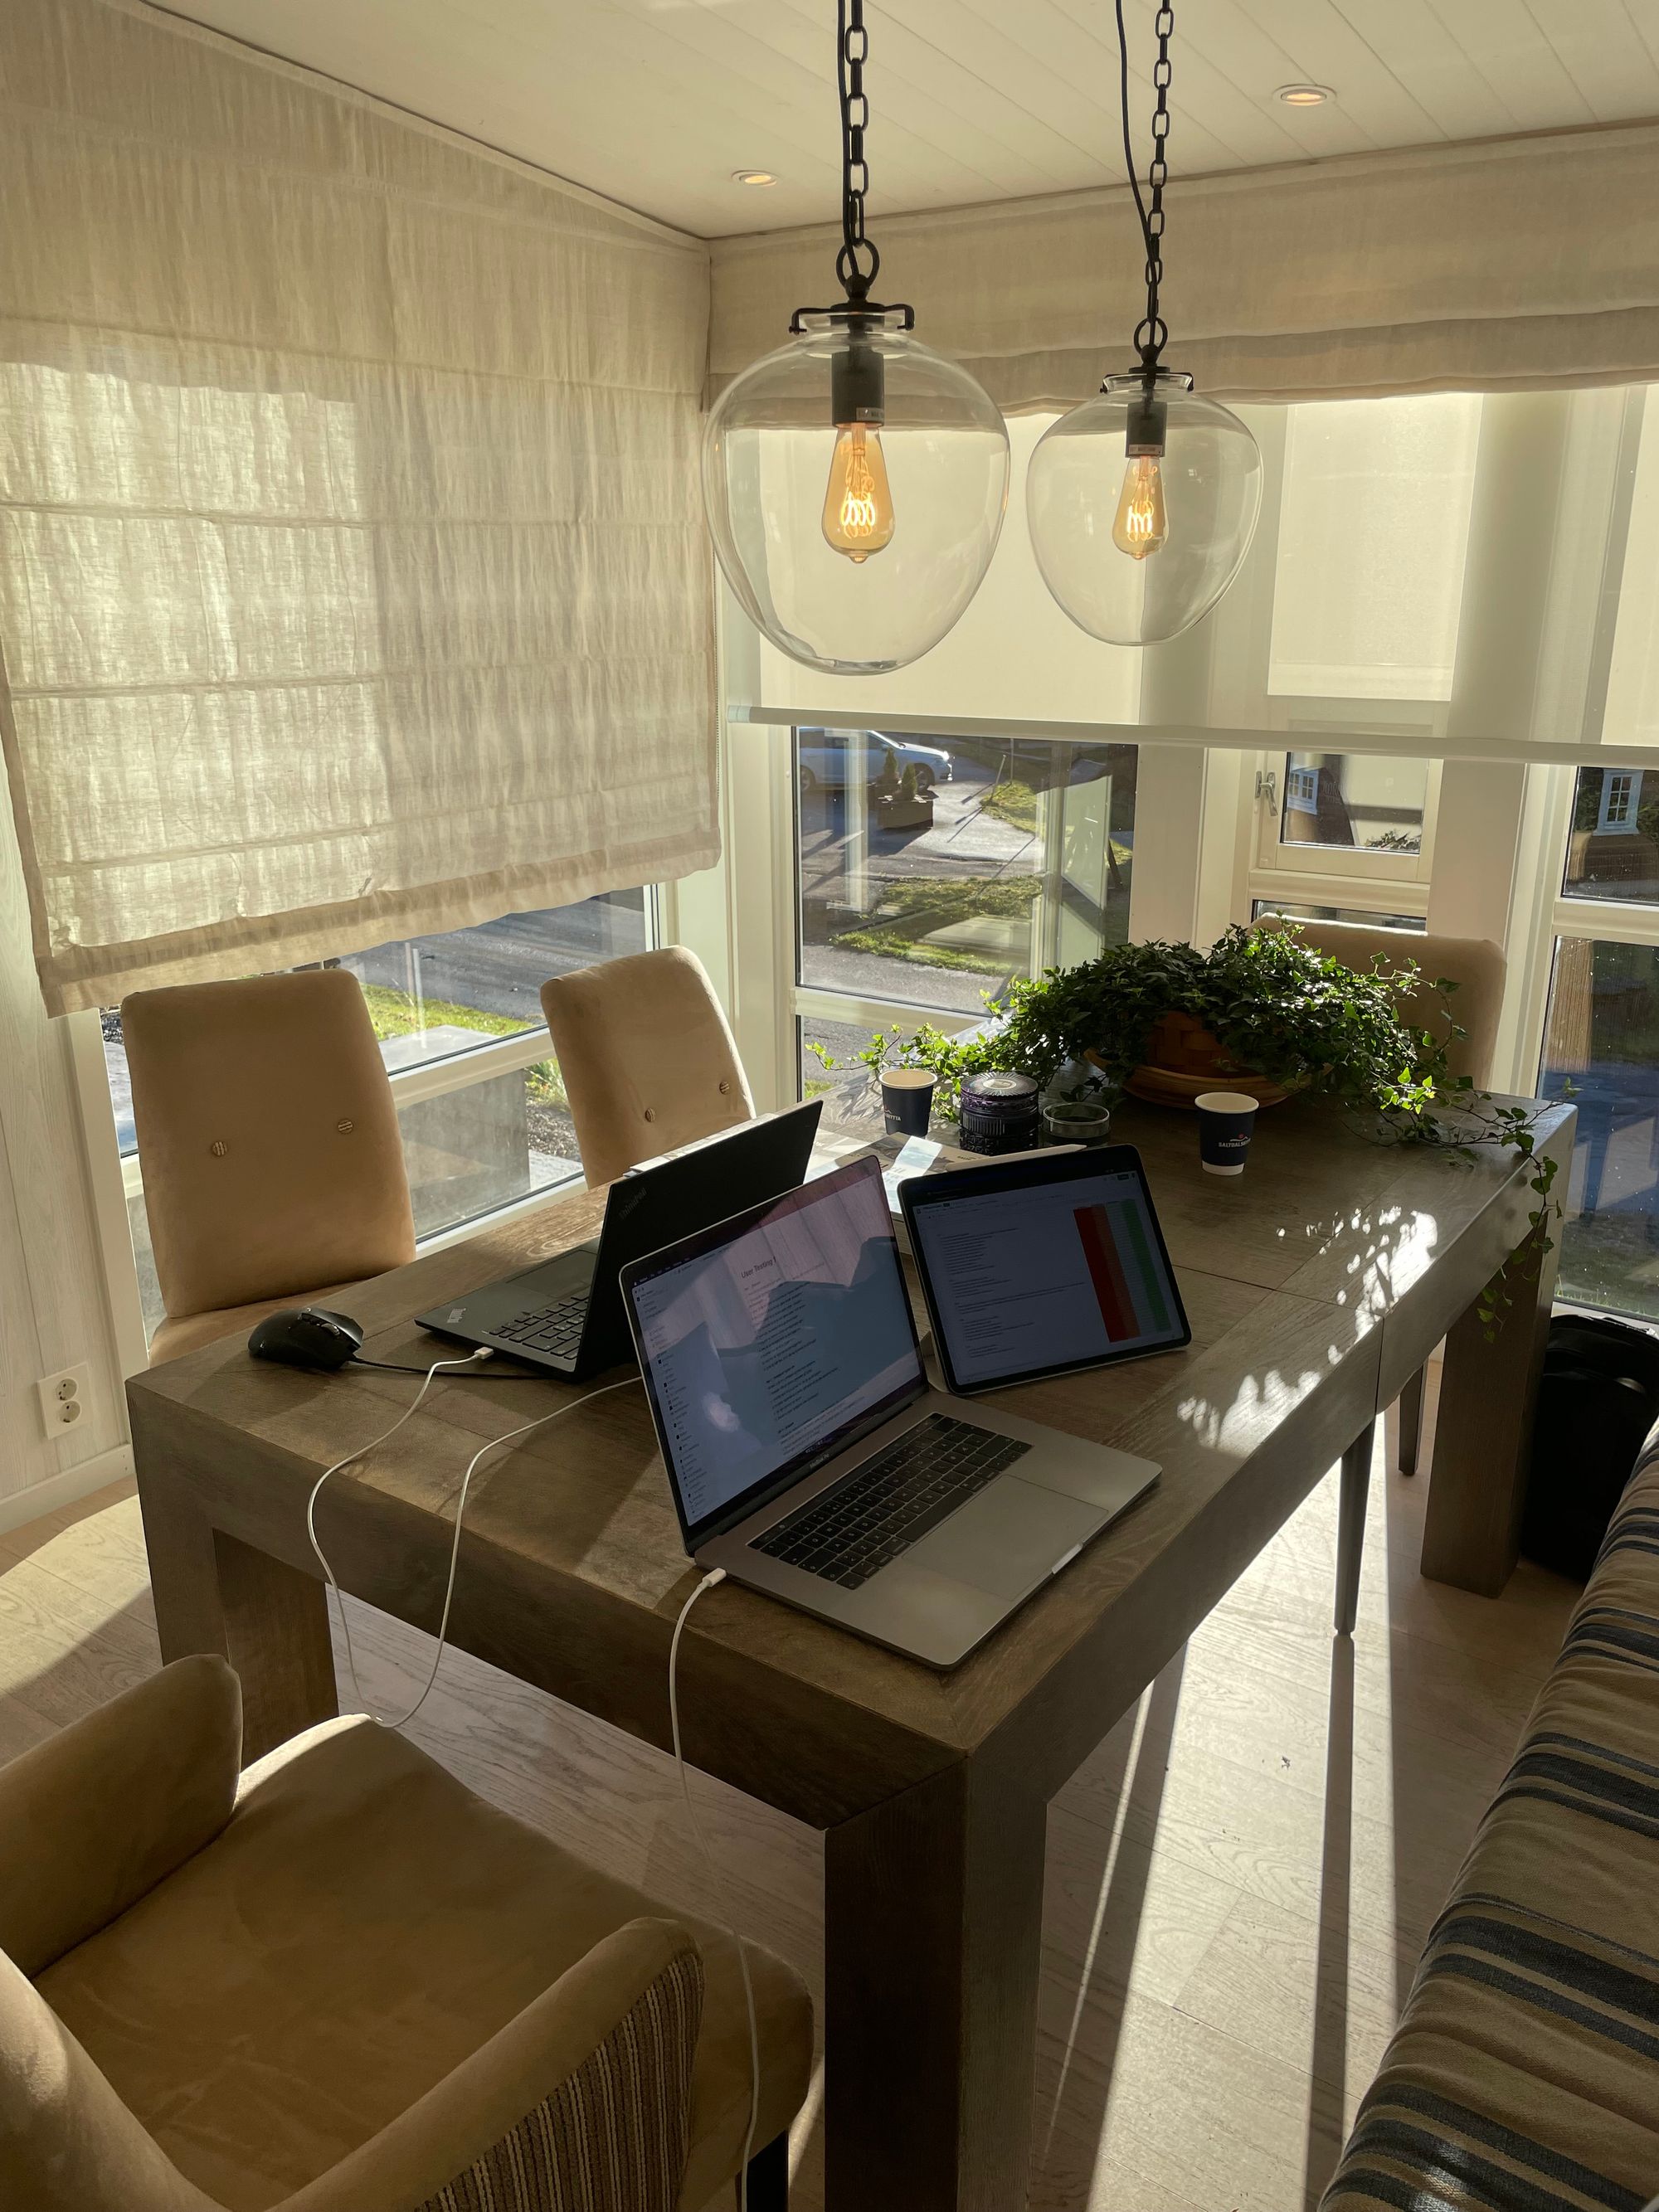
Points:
[(808, 1454)]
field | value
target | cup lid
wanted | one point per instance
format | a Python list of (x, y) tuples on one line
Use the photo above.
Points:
[(1227, 1102), (998, 1083)]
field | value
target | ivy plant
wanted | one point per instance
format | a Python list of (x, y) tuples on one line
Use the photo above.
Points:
[(1278, 1008)]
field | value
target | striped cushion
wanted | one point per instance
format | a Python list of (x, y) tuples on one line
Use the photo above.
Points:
[(612, 2137), (1524, 2074)]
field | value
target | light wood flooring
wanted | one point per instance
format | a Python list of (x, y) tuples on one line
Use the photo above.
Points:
[(1239, 1881)]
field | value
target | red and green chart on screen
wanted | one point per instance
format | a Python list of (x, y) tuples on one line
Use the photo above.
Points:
[(1026, 1280)]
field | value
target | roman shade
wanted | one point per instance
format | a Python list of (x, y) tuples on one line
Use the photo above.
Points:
[(1497, 265), (353, 582)]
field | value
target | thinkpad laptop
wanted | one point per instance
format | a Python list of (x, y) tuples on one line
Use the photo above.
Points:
[(809, 1455), (566, 1313)]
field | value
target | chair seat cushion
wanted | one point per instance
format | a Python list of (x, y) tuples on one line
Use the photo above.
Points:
[(1523, 2075), (361, 1927)]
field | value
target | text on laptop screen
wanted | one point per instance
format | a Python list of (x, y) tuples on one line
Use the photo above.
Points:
[(761, 1351), (1046, 1276)]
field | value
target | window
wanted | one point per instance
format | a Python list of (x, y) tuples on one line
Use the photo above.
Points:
[(1601, 1043), (1362, 915), (481, 1107), (1612, 843), (930, 873), (1363, 802), (1618, 809)]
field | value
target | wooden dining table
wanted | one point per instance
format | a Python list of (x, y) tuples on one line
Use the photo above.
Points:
[(1317, 1285)]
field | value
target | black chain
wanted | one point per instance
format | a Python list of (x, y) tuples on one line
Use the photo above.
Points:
[(853, 48), (1151, 332)]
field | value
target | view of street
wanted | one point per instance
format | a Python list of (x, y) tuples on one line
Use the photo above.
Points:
[(940, 908)]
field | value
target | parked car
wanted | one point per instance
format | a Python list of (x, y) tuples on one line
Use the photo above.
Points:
[(835, 758)]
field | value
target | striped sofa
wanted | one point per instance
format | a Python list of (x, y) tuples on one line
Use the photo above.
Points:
[(1524, 2073)]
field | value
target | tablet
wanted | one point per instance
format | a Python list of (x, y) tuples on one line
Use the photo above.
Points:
[(1041, 1264)]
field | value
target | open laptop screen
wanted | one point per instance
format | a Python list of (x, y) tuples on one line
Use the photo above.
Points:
[(770, 1342), (1043, 1263)]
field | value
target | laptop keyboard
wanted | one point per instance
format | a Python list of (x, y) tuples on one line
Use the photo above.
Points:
[(856, 1529), (555, 1329)]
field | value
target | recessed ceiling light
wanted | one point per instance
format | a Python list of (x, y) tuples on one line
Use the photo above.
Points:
[(1305, 95), (753, 177)]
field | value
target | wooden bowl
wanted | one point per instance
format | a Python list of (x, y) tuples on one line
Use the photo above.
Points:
[(1183, 1059)]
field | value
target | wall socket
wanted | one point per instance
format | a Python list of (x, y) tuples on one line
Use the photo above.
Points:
[(63, 1398)]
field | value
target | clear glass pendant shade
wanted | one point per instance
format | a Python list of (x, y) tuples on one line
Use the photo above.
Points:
[(854, 545), (1138, 546)]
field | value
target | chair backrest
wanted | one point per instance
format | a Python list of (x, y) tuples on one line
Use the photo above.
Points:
[(268, 1138), (1474, 964), (646, 1058)]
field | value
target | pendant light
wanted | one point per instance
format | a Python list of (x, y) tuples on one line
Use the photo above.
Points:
[(1142, 502), (854, 482)]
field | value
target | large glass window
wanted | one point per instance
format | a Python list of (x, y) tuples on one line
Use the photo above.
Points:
[(932, 871), (432, 996), (1612, 845), (1364, 801), (1602, 1043)]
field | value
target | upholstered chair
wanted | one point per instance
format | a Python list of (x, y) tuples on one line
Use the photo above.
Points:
[(341, 1983), (1476, 966), (647, 1057), (273, 1170)]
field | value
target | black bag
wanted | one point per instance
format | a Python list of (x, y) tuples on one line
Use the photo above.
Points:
[(1598, 1400)]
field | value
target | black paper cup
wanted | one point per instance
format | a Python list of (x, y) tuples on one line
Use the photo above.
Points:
[(906, 1098), (1226, 1122)]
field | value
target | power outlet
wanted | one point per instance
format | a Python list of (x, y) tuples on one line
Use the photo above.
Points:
[(63, 1398)]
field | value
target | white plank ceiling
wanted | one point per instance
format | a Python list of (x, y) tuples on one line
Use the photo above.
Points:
[(654, 102)]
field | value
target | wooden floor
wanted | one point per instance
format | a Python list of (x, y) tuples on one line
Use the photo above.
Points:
[(1239, 1881)]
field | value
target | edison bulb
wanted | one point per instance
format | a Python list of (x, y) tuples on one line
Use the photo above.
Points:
[(1140, 526), (858, 502)]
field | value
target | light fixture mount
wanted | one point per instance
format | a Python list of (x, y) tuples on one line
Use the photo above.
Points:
[(1180, 476), (801, 454), (1304, 95), (754, 177)]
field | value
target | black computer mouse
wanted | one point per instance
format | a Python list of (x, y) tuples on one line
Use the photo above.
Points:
[(307, 1336)]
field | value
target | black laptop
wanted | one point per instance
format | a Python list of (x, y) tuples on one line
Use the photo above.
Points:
[(566, 1313)]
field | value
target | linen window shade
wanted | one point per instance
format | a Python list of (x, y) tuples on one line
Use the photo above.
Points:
[(353, 582), (1498, 265)]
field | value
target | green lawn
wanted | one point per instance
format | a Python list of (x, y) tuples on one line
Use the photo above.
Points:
[(909, 912), (394, 1014), (1014, 802)]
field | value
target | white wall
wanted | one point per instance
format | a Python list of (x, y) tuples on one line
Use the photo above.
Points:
[(53, 1310)]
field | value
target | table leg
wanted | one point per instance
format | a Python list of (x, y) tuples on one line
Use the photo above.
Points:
[(1351, 1526), (933, 1915), (214, 1594), (1411, 1421), (1483, 1430)]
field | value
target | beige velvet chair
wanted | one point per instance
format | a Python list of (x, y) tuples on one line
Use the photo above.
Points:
[(341, 1983), (646, 1056), (273, 1170), (1476, 966)]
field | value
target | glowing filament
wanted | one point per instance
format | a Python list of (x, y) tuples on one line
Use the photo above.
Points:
[(857, 504)]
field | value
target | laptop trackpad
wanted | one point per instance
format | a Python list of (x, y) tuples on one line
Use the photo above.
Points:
[(1008, 1538)]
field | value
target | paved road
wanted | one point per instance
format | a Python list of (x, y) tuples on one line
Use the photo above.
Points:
[(499, 967)]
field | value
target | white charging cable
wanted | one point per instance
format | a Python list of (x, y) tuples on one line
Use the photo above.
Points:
[(473, 1464), (728, 1922), (707, 1582)]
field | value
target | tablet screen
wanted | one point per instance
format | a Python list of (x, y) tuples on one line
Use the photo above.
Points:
[(1050, 1274)]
